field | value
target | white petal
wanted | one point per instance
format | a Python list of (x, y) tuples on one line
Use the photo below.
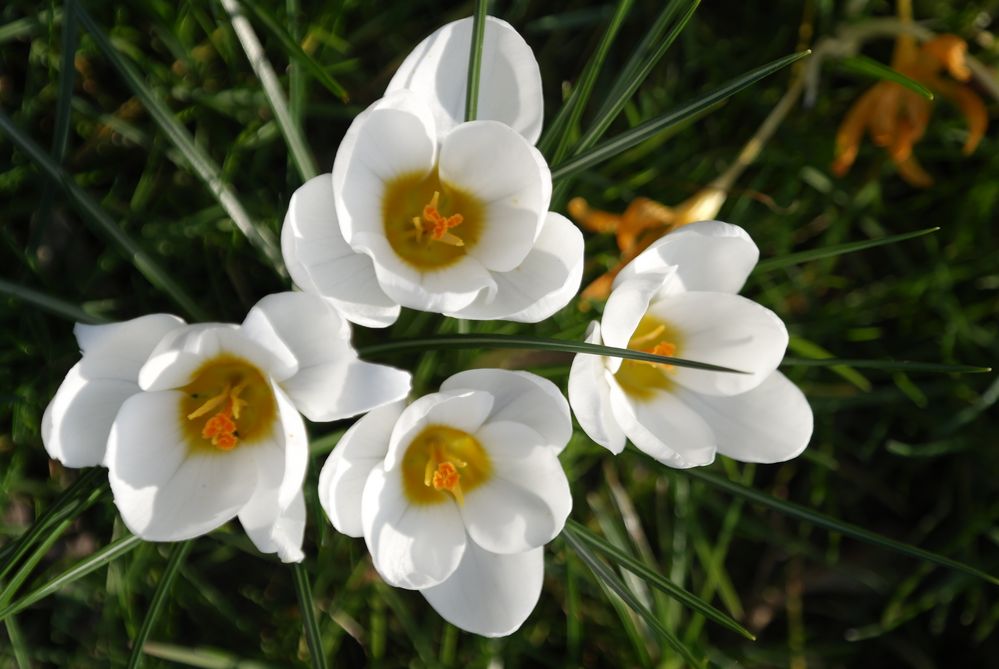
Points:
[(499, 167), (342, 479), (589, 396), (625, 308), (412, 546), (181, 352), (331, 383), (489, 594), (770, 423), (164, 490), (461, 410), (522, 397), (321, 262), (665, 428), (511, 80), (274, 528), (709, 256), (727, 330), (118, 350), (545, 282), (525, 502), (392, 137)]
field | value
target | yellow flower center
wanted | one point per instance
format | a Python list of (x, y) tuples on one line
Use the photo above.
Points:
[(430, 224), (442, 463), (639, 379), (229, 402)]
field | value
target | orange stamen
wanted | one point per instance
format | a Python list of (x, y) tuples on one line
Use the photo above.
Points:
[(665, 348), (436, 226), (221, 428)]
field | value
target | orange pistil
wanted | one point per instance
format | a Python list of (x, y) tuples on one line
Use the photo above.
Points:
[(445, 477), (221, 428), (436, 226), (665, 348)]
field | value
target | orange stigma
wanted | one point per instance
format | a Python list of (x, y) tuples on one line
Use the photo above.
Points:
[(221, 428), (666, 348), (445, 476), (436, 226)]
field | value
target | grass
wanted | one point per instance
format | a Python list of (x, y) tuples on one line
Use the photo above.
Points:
[(154, 174)]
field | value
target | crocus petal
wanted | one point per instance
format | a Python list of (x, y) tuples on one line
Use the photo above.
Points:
[(525, 502), (393, 137), (627, 306), (726, 330), (283, 457), (665, 428), (331, 383), (274, 528), (412, 546), (164, 489), (438, 69), (510, 177), (320, 261), (770, 423), (521, 397), (708, 256), (77, 422), (589, 396), (360, 450), (489, 594), (543, 283), (458, 409)]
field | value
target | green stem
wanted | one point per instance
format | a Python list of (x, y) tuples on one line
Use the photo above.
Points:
[(475, 60), (308, 608)]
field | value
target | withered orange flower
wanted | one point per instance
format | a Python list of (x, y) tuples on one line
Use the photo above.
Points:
[(643, 222), (896, 117)]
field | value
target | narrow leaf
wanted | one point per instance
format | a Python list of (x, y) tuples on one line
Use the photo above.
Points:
[(177, 556), (654, 579), (475, 60), (869, 67), (850, 530), (53, 305), (886, 365), (836, 250), (82, 568), (460, 341), (650, 128), (307, 607)]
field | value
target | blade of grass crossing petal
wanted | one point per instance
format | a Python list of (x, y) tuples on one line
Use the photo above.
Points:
[(850, 530), (307, 607), (654, 579), (605, 574), (650, 128), (292, 133), (101, 221), (178, 554), (836, 250), (887, 365), (53, 305), (568, 117), (475, 60), (294, 50), (459, 341), (82, 568), (869, 67), (204, 167)]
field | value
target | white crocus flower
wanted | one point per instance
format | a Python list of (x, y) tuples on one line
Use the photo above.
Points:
[(199, 424), (425, 211), (456, 494), (678, 298)]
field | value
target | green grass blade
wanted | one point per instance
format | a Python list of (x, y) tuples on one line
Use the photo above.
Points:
[(177, 556), (837, 250), (821, 520), (654, 579), (21, 575), (53, 305), (605, 574), (100, 219), (570, 113), (307, 606), (204, 167), (294, 50), (67, 80), (475, 60), (292, 133), (650, 128), (460, 341), (869, 67), (886, 365), (17, 644), (82, 568)]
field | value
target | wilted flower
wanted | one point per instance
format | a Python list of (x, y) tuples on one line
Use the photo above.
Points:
[(678, 299), (896, 117), (456, 494), (198, 424), (428, 212)]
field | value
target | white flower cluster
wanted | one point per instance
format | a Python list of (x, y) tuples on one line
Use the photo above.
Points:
[(455, 494)]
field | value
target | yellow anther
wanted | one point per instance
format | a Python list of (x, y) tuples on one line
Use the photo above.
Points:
[(221, 428)]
